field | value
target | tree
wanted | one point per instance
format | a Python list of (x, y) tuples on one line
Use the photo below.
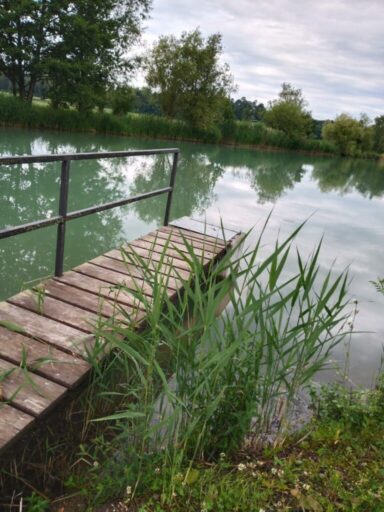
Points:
[(188, 77), (350, 136), (378, 134), (122, 98), (246, 110), (288, 113), (76, 47), (28, 33)]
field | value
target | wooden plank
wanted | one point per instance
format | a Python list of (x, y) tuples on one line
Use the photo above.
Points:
[(100, 288), (179, 244), (27, 391), (114, 278), (57, 334), (42, 358), (120, 265), (152, 258), (170, 252), (118, 278), (12, 423), (175, 235), (194, 235), (234, 231), (57, 310), (92, 302), (204, 228)]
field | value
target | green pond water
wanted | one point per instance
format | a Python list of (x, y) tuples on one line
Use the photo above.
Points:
[(343, 200)]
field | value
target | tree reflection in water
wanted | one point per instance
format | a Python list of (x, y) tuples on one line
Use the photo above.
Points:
[(31, 192)]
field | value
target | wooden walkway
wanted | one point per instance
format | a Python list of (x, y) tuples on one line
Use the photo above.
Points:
[(45, 332)]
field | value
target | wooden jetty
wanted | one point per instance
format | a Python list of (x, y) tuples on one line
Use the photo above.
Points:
[(45, 332)]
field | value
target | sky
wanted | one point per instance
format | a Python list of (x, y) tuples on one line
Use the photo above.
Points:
[(332, 49)]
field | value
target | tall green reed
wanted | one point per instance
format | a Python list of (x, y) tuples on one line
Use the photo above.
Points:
[(191, 382)]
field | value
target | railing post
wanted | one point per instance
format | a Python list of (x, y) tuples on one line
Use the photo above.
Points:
[(172, 185), (63, 208)]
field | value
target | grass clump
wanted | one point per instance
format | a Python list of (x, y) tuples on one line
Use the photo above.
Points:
[(190, 384)]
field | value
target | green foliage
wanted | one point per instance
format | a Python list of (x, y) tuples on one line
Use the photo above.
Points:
[(188, 77), (145, 102), (379, 285), (191, 383), (354, 408), (330, 466), (95, 37), (288, 114), (74, 47), (29, 32), (350, 136), (36, 503), (122, 98), (246, 110), (14, 112), (378, 134)]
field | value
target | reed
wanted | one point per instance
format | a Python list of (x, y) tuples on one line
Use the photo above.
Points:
[(191, 383)]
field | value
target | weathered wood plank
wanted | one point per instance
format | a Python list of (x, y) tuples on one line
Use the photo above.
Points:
[(113, 278), (12, 423), (55, 333), (175, 235), (194, 235), (152, 258), (93, 302), (42, 358), (56, 310), (100, 288), (29, 392), (179, 245), (205, 228), (176, 255), (121, 265)]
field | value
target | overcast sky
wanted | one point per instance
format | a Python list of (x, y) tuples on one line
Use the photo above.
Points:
[(332, 49)]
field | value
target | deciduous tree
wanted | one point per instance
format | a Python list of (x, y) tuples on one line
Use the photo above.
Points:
[(190, 80), (77, 47), (288, 113), (351, 136), (378, 134), (29, 31)]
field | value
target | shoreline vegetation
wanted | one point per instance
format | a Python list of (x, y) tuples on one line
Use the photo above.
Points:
[(175, 417), (241, 134), (15, 113)]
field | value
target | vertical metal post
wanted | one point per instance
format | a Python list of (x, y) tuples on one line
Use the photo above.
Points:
[(172, 185), (63, 208)]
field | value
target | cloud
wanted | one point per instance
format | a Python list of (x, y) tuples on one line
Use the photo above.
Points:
[(333, 50)]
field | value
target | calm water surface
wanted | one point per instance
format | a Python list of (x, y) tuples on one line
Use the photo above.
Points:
[(343, 198)]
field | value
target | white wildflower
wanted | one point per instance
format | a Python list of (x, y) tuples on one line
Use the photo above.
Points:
[(241, 466)]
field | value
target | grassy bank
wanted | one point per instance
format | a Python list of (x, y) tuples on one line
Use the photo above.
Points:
[(333, 464), (13, 112)]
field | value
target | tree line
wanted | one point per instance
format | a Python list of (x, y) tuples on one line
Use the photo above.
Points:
[(80, 54)]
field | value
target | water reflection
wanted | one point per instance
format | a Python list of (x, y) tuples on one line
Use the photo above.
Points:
[(346, 176), (239, 185), (196, 180)]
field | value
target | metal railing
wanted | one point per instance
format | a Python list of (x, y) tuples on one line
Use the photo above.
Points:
[(63, 215)]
